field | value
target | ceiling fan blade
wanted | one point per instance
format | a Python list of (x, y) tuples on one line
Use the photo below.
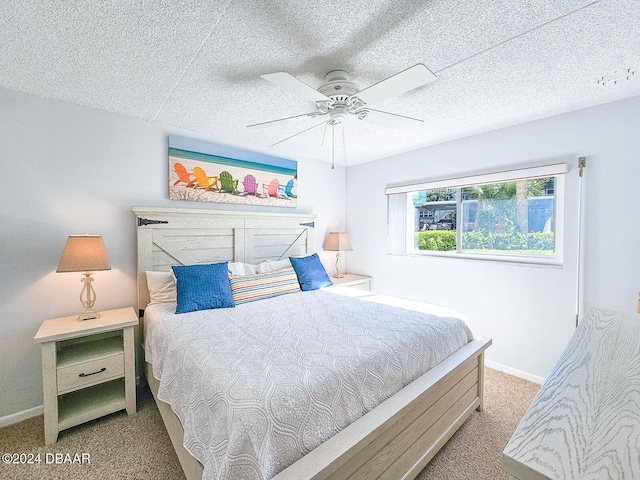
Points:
[(387, 119), (283, 120), (402, 82), (289, 82), (296, 134)]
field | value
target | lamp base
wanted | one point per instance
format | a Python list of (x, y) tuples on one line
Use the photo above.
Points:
[(338, 274), (88, 314), (88, 302)]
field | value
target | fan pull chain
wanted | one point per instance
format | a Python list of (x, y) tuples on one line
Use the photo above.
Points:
[(344, 147), (333, 147)]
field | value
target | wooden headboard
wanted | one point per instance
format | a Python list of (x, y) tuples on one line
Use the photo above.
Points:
[(175, 236)]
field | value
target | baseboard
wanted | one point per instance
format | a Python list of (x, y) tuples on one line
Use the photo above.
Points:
[(20, 416), (515, 372)]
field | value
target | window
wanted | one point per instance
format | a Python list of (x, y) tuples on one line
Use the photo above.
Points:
[(516, 218)]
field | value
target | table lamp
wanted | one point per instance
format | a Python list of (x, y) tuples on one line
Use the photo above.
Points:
[(85, 253), (337, 242)]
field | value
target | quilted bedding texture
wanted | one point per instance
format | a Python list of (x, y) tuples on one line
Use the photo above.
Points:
[(258, 386)]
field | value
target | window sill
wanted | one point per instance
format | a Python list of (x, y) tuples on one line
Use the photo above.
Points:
[(504, 259)]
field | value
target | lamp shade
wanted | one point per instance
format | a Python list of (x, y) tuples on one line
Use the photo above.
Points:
[(84, 253), (337, 242)]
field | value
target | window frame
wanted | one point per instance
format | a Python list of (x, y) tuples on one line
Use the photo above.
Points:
[(557, 171)]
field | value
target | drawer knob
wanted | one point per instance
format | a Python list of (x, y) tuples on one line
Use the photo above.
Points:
[(92, 373)]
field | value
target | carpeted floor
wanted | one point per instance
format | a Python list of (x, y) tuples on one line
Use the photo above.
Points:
[(138, 447), (120, 447), (475, 450)]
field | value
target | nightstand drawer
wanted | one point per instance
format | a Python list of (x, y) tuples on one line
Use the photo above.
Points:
[(84, 374)]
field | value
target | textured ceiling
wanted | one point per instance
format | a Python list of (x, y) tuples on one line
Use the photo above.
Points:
[(197, 64)]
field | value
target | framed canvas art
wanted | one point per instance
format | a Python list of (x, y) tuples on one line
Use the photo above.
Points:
[(206, 172)]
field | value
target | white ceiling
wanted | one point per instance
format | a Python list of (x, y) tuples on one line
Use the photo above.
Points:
[(196, 64)]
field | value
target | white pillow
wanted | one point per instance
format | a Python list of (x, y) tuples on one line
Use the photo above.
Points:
[(269, 266), (162, 287), (239, 268)]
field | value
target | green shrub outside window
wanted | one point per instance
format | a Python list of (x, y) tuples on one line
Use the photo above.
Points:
[(513, 217)]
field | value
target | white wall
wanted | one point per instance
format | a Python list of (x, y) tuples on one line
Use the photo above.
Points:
[(67, 169), (528, 311)]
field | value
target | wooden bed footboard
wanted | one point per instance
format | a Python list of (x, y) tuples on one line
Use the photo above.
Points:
[(395, 440), (398, 438)]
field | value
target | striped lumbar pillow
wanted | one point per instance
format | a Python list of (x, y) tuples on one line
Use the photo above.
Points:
[(248, 288)]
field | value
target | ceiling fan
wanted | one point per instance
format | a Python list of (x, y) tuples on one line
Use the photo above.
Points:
[(339, 99)]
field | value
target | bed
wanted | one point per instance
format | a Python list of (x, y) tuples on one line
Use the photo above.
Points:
[(380, 434)]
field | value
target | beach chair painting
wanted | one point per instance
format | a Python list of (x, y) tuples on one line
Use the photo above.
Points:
[(286, 189), (227, 183), (271, 190), (205, 181), (250, 185), (202, 171), (183, 175)]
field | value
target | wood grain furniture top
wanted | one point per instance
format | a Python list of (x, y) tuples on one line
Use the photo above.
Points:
[(70, 327), (353, 280), (584, 422)]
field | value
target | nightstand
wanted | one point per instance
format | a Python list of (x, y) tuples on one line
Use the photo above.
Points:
[(88, 369), (361, 282)]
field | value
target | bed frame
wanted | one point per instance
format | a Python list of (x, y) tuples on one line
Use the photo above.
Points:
[(393, 441)]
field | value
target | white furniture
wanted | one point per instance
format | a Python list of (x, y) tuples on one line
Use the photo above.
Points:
[(585, 421), (88, 368), (394, 440), (361, 282)]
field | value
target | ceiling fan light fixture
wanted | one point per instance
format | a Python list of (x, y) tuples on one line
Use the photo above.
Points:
[(338, 98), (338, 114)]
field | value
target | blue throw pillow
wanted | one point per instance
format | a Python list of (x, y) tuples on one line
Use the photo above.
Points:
[(201, 287), (311, 273)]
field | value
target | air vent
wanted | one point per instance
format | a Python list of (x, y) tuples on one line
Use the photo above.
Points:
[(618, 76)]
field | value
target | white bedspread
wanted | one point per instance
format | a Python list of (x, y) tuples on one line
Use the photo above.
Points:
[(258, 386)]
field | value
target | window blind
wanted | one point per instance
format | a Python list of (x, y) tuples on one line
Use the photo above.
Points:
[(493, 177)]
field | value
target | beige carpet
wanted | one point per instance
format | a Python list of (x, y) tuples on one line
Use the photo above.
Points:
[(137, 447), (120, 447), (475, 450)]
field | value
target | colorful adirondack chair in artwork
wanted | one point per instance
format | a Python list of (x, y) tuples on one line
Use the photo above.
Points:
[(205, 181), (271, 190), (183, 175), (286, 189), (227, 183), (250, 185)]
